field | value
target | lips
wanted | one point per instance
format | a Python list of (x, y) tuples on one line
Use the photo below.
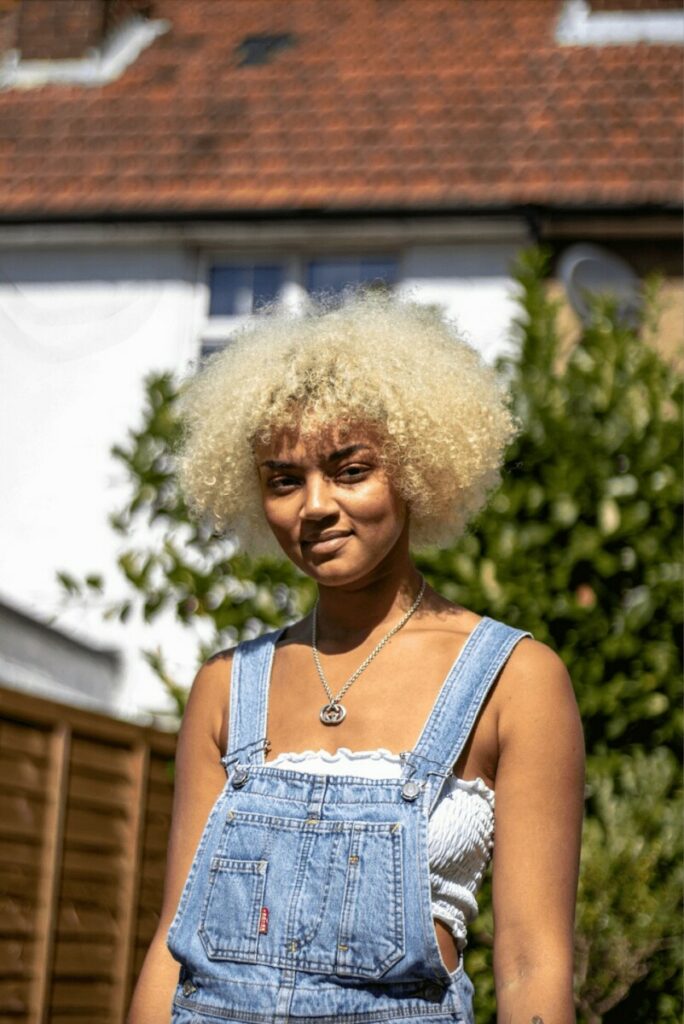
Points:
[(329, 535), (330, 541)]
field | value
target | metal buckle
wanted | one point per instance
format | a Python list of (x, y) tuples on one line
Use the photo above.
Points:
[(239, 778)]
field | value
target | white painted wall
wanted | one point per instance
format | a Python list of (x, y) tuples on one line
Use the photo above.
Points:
[(79, 329), (78, 332), (472, 283)]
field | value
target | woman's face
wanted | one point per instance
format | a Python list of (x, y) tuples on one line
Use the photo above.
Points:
[(330, 504)]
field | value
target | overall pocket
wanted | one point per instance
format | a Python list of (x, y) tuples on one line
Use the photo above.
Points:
[(238, 884), (308, 894), (371, 934)]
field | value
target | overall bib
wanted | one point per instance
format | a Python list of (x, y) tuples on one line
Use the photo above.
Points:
[(308, 898)]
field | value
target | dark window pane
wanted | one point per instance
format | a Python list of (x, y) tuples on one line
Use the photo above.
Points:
[(237, 290), (267, 283), (378, 270), (330, 275), (262, 48), (207, 348), (335, 275), (228, 287)]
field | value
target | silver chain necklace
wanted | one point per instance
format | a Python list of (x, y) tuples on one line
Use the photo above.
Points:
[(334, 713)]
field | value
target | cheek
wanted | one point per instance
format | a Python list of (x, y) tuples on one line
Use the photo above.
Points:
[(282, 518), (275, 514), (382, 510)]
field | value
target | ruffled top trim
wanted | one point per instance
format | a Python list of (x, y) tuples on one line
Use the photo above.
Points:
[(381, 754)]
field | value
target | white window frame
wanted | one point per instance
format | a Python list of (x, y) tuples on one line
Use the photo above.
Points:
[(215, 331)]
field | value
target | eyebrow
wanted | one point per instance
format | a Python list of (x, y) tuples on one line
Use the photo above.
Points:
[(342, 453), (336, 456)]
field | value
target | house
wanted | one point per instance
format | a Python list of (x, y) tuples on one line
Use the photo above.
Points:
[(46, 662), (166, 165)]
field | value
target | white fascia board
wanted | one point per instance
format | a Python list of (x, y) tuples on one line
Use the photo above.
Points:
[(302, 234), (98, 67), (578, 25)]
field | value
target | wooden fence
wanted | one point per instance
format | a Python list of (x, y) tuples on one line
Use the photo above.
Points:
[(85, 808)]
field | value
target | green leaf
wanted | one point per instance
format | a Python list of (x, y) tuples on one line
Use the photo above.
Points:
[(70, 584)]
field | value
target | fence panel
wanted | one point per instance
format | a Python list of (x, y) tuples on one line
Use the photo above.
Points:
[(85, 809)]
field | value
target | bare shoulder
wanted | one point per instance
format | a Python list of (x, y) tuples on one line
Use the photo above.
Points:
[(531, 657), (213, 673), (209, 698), (535, 687)]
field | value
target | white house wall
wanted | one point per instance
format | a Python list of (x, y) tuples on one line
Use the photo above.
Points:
[(472, 283), (79, 330)]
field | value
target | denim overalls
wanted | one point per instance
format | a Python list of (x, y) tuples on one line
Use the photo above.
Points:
[(308, 898)]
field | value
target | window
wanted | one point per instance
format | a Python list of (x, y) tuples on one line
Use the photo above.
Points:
[(333, 275), (238, 287), (238, 290), (261, 49), (235, 291)]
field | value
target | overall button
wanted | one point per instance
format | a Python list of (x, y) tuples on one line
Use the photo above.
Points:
[(410, 790), (240, 776), (188, 988)]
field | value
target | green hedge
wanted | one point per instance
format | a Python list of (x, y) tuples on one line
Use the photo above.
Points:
[(582, 545)]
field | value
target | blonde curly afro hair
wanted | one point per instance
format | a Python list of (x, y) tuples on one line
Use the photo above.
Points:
[(371, 358)]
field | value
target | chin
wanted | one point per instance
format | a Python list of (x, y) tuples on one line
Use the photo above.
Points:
[(333, 572)]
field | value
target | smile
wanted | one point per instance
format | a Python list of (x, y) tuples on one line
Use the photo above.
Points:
[(326, 544)]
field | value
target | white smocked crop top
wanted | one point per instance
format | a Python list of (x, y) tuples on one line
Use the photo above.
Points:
[(460, 831)]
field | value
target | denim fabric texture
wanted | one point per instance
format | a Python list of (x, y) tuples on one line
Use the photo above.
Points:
[(308, 898)]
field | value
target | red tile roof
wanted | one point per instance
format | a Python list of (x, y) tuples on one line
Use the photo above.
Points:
[(396, 104)]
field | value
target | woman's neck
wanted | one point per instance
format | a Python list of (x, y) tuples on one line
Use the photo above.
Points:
[(347, 615)]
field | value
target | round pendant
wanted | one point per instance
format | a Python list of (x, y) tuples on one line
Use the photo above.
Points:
[(332, 714)]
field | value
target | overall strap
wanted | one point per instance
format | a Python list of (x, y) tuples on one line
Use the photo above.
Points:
[(462, 694), (249, 685)]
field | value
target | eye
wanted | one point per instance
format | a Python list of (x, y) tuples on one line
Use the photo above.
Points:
[(281, 483), (357, 471)]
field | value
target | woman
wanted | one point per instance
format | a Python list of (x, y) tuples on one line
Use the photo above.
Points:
[(339, 782)]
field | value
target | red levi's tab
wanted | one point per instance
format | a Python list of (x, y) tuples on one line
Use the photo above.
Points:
[(263, 921)]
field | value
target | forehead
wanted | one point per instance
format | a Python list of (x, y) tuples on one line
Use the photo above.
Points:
[(296, 444)]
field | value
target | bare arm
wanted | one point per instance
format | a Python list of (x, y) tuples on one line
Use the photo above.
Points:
[(200, 777), (539, 808)]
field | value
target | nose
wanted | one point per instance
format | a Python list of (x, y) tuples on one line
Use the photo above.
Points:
[(318, 501)]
